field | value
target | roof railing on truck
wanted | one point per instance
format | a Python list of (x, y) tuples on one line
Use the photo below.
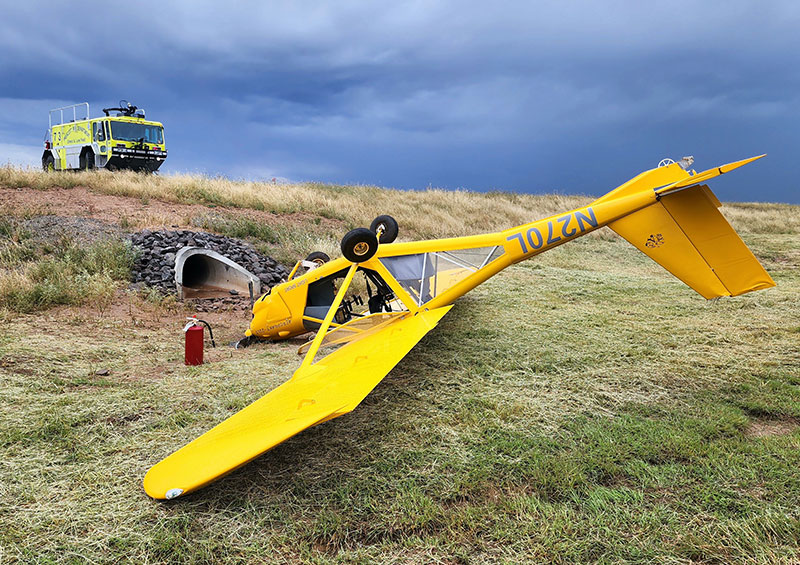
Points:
[(74, 108)]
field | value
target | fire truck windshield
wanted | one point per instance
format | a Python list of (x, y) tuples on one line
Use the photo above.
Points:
[(127, 131)]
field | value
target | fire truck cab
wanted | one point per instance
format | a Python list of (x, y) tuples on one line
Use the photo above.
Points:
[(125, 140)]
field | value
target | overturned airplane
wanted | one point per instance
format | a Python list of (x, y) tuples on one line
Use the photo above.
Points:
[(667, 213)]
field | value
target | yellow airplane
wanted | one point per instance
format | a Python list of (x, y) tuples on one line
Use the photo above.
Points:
[(666, 212)]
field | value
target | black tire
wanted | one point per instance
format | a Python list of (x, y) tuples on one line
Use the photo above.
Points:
[(48, 163), (389, 227), (87, 160), (359, 245), (318, 257)]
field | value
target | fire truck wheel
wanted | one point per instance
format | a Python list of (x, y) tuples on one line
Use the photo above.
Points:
[(359, 245), (318, 257), (87, 160), (388, 226), (49, 164)]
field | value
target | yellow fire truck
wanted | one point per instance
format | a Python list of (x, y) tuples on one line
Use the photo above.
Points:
[(123, 141)]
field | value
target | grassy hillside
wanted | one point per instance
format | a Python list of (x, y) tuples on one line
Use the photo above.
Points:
[(581, 407)]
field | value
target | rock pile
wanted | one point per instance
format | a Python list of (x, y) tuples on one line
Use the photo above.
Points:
[(155, 265)]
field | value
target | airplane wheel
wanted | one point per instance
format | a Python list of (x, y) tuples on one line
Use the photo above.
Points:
[(359, 245), (389, 227), (318, 257)]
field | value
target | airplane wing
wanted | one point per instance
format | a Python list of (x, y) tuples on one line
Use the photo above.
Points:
[(318, 391)]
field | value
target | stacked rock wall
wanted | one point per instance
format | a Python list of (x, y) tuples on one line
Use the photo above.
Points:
[(155, 265)]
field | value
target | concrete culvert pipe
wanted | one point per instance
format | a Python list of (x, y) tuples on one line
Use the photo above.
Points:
[(203, 273)]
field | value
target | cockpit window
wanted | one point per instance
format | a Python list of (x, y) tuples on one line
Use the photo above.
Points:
[(426, 275)]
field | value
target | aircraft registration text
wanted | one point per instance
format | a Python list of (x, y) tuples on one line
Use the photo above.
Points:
[(563, 228)]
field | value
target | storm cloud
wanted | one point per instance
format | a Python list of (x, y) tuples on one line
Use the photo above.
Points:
[(572, 97)]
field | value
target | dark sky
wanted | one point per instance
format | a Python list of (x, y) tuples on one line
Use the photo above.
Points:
[(570, 97)]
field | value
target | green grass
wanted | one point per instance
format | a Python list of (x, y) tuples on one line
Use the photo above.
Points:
[(238, 227), (285, 242), (583, 407), (37, 275)]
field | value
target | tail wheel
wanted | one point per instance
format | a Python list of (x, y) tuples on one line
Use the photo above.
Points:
[(318, 257), (359, 245), (387, 226)]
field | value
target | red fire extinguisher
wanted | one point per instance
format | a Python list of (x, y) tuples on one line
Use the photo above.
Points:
[(194, 340)]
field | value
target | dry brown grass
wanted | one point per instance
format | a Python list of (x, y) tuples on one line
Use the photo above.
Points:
[(763, 217), (422, 214), (427, 213)]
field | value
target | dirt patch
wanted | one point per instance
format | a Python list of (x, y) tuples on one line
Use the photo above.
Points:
[(130, 213), (148, 336), (17, 364), (81, 230), (769, 428), (134, 310), (125, 419), (110, 209)]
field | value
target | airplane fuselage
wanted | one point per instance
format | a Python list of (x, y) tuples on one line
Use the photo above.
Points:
[(283, 312)]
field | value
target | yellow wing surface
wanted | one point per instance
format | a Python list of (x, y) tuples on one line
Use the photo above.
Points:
[(317, 392)]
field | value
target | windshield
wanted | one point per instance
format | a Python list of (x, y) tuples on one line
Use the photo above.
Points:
[(126, 131)]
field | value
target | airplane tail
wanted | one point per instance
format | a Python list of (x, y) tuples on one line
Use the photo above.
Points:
[(684, 232)]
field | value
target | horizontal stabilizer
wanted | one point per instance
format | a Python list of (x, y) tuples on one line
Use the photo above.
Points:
[(697, 178), (685, 233)]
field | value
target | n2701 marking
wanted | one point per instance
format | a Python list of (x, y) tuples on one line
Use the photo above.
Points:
[(534, 238)]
